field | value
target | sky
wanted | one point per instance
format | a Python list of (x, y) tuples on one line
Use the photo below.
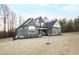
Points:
[(52, 11)]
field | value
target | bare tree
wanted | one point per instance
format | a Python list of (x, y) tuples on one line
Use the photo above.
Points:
[(8, 19), (5, 11), (20, 20), (12, 22)]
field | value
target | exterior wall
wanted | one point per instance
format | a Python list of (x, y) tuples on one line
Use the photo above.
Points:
[(31, 23), (26, 30), (23, 31), (49, 30), (20, 33), (56, 31)]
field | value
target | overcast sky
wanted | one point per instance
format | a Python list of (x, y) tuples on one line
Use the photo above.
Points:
[(50, 10)]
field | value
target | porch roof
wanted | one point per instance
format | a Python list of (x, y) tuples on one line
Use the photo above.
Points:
[(43, 28)]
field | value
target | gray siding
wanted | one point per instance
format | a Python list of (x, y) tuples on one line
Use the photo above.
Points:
[(20, 32), (23, 32), (31, 23), (56, 31)]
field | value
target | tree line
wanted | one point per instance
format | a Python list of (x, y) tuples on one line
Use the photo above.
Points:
[(71, 25)]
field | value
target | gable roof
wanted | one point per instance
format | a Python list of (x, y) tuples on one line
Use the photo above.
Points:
[(40, 18), (24, 23), (57, 24), (40, 22), (51, 23)]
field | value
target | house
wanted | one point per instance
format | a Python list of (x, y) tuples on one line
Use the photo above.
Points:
[(37, 28), (53, 28), (31, 28)]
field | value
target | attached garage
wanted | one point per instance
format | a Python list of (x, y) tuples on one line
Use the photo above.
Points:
[(53, 28)]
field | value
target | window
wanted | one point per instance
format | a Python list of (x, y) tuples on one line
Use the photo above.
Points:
[(31, 28), (42, 24), (32, 31)]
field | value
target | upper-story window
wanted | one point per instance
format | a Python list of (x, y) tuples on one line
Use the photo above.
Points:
[(42, 24), (31, 28)]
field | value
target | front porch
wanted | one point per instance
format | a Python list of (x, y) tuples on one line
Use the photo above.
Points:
[(42, 31)]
